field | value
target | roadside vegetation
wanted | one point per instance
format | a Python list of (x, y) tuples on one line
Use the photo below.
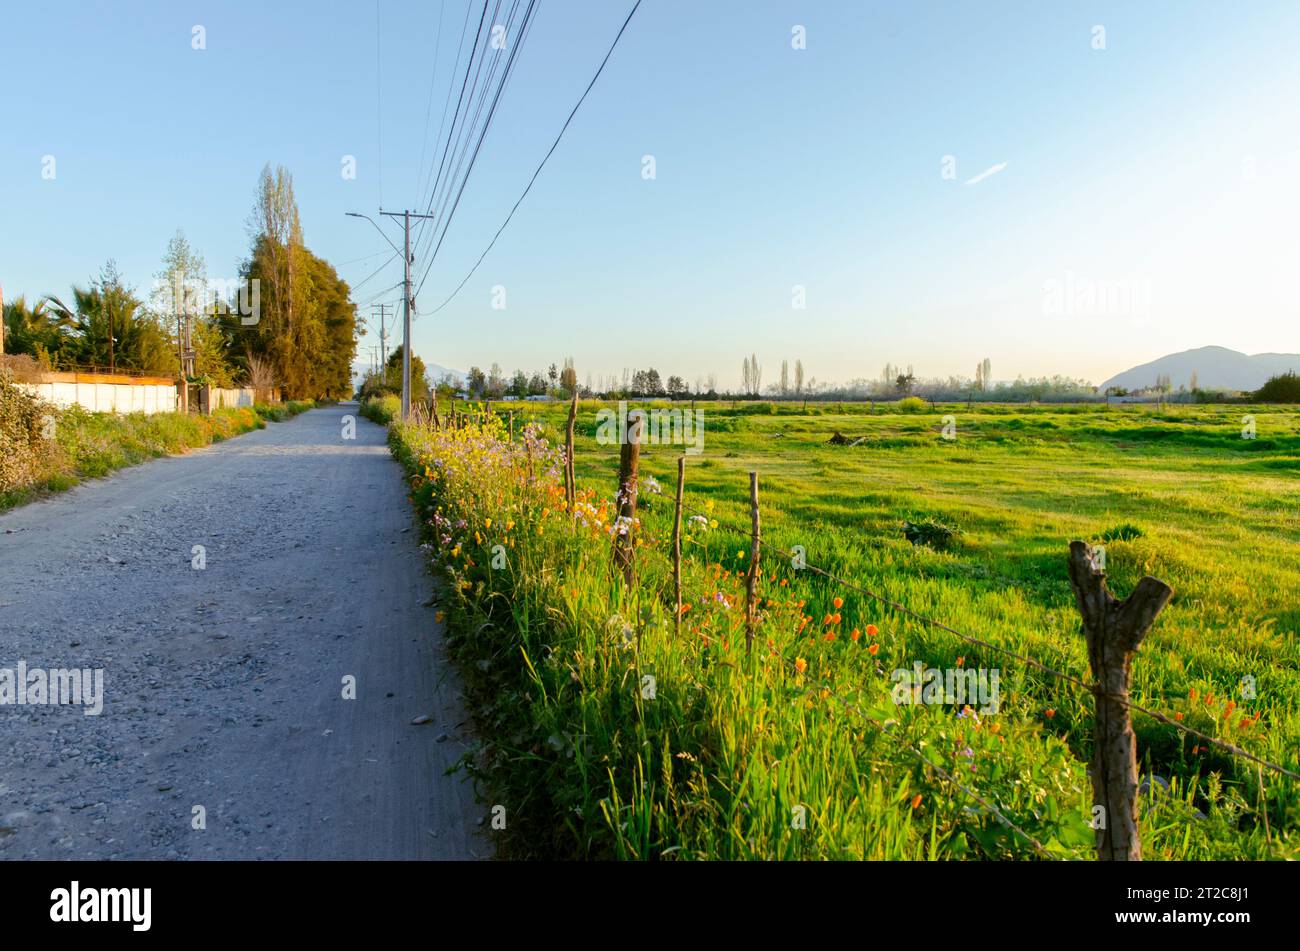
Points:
[(44, 449), (799, 749)]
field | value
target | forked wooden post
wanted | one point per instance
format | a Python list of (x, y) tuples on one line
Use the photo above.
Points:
[(570, 486), (629, 461), (677, 544), (751, 576), (1114, 630)]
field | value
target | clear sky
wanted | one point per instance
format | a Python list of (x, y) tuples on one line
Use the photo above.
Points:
[(1141, 199)]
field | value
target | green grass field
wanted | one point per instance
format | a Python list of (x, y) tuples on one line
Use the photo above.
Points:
[(1176, 493)]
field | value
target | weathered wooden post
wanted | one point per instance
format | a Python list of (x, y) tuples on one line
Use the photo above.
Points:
[(677, 543), (751, 576), (511, 417), (570, 485), (1114, 630), (629, 461)]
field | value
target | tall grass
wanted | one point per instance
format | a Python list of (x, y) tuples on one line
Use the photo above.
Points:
[(795, 751), (89, 445)]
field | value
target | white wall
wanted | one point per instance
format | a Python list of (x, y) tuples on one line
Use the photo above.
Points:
[(108, 397), (231, 399)]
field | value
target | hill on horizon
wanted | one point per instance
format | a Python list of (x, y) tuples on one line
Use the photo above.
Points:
[(1216, 368)]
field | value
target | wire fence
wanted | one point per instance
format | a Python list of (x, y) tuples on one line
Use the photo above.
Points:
[(882, 729)]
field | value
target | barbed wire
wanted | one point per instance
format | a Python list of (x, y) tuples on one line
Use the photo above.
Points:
[(1094, 689)]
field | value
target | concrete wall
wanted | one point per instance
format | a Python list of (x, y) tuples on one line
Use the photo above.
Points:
[(107, 394), (230, 399)]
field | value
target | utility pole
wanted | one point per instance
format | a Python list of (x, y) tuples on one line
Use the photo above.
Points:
[(2, 321), (383, 331), (406, 217)]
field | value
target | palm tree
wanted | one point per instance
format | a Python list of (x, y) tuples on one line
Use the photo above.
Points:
[(110, 327), (34, 330)]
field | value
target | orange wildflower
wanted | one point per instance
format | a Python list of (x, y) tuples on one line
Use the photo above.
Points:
[(916, 801), (1050, 712), (872, 630), (839, 603), (800, 664), (872, 649), (855, 635)]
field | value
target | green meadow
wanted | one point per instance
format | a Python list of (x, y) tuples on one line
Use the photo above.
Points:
[(995, 494)]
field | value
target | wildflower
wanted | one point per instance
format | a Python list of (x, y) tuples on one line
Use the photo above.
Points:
[(855, 635), (838, 603), (916, 801), (1050, 712), (1245, 722), (835, 619), (872, 630), (800, 664), (487, 523), (873, 649), (1191, 695), (830, 636), (1227, 710), (961, 661), (1178, 717), (826, 620)]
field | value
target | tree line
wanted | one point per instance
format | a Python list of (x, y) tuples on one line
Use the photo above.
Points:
[(286, 324)]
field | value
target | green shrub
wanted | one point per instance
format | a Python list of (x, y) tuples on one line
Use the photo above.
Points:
[(929, 532), (383, 409), (911, 404), (1124, 532), (24, 448)]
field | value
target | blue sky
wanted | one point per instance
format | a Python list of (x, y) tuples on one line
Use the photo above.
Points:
[(1147, 203)]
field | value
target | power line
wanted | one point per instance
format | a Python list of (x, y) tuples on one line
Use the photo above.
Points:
[(390, 260), (446, 224), (445, 106), (433, 78), (542, 165), (459, 137)]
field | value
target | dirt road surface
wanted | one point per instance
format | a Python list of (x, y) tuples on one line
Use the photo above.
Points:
[(224, 684)]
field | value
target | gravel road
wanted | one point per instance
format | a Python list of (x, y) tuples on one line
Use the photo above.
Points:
[(224, 685)]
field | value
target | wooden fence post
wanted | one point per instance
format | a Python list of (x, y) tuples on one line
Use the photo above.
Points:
[(677, 543), (570, 485), (1114, 630), (512, 425), (629, 462), (751, 576)]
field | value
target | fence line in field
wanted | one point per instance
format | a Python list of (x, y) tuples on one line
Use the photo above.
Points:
[(1062, 675), (1114, 630)]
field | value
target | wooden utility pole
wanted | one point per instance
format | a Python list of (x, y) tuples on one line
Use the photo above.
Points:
[(1114, 630)]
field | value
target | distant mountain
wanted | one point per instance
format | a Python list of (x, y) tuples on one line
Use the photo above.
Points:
[(1216, 368), (436, 370)]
